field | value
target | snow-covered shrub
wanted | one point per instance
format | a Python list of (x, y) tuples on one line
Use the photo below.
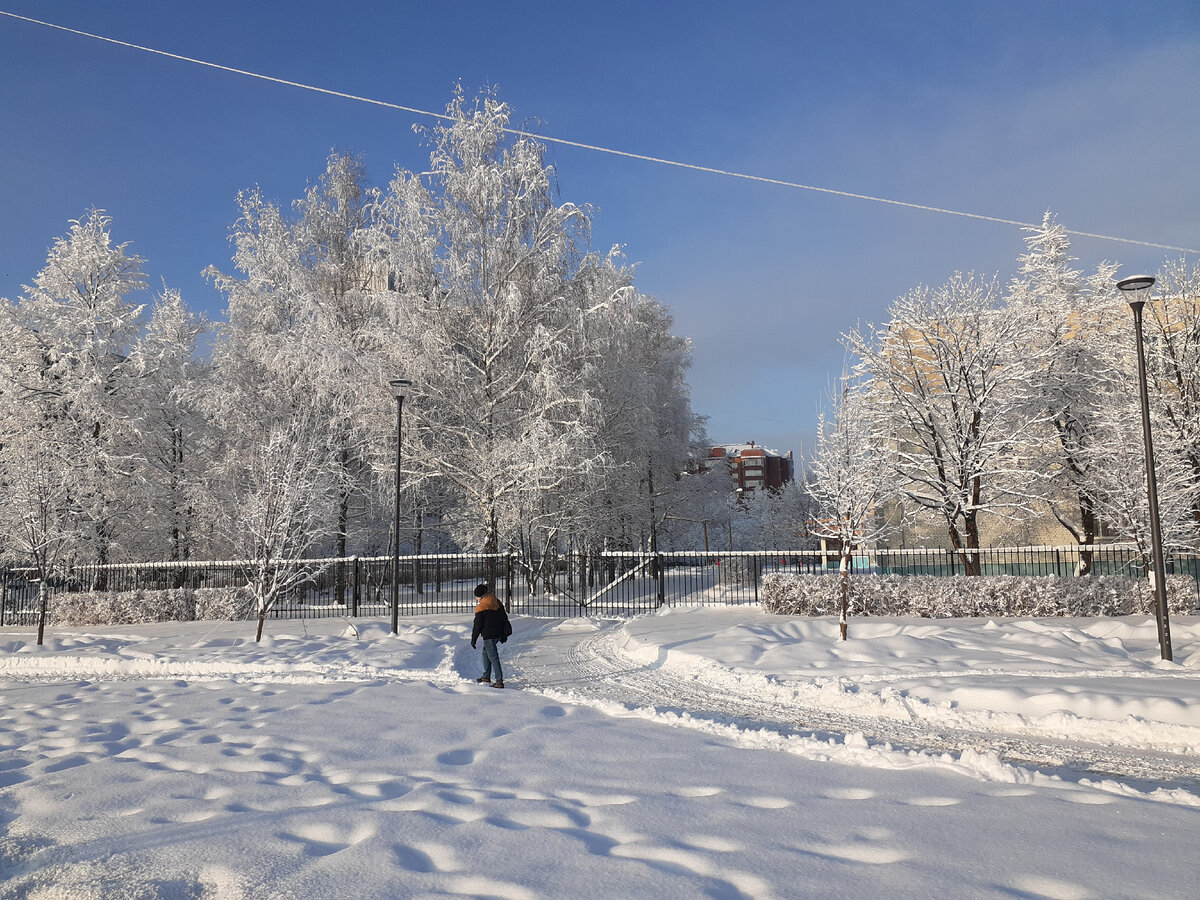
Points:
[(229, 603), (123, 607), (932, 596), (135, 607)]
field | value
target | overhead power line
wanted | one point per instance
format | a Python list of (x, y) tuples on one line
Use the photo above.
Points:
[(593, 147)]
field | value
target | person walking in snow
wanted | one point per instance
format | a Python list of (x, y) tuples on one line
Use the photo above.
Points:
[(491, 623)]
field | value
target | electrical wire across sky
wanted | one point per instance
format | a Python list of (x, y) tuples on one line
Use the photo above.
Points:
[(592, 147)]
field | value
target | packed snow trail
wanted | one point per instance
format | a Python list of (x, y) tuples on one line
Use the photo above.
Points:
[(591, 666)]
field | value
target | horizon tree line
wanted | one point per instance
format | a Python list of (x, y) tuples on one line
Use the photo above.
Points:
[(549, 402), (550, 407)]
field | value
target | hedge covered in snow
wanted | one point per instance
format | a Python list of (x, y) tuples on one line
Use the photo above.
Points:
[(134, 607), (934, 596)]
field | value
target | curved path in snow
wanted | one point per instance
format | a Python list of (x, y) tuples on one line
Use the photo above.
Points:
[(590, 665)]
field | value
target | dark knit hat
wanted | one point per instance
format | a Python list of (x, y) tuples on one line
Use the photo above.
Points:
[(481, 590)]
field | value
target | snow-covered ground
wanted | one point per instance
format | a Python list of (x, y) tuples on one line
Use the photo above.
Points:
[(669, 755)]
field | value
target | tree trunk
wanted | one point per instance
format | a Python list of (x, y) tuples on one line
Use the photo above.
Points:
[(844, 569), (967, 553), (1088, 523), (43, 603), (262, 615), (972, 564), (491, 547), (343, 524)]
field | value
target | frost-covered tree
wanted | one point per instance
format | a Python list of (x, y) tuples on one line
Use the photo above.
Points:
[(949, 384), (1068, 316), (784, 517), (282, 485), (1120, 478), (41, 483), (1119, 462), (170, 428), (72, 331), (487, 322), (851, 481), (1172, 326), (305, 327), (647, 428)]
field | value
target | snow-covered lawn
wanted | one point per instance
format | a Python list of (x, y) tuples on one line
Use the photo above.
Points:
[(183, 760), (1098, 680)]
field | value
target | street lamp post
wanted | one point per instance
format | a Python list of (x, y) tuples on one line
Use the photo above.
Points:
[(400, 387), (1137, 289)]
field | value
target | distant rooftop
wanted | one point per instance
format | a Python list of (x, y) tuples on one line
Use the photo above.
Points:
[(747, 448)]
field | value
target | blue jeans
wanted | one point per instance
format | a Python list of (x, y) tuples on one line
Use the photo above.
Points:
[(491, 659)]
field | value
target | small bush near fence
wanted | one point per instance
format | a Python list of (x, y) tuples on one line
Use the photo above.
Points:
[(935, 596), (135, 607)]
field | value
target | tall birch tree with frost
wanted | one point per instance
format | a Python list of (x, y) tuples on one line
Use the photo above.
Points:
[(1119, 462), (646, 426), (487, 319), (73, 330), (305, 327)]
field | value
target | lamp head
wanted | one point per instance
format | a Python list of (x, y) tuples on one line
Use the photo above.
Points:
[(400, 387), (1136, 283), (1136, 288)]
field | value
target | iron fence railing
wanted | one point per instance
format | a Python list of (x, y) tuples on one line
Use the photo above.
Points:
[(605, 584)]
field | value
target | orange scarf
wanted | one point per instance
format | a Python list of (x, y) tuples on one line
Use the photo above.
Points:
[(486, 602)]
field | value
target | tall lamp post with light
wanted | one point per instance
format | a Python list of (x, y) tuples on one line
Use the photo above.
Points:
[(1137, 290), (400, 387)]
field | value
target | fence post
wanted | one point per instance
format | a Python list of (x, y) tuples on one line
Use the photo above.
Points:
[(508, 570), (757, 562), (354, 589), (662, 579)]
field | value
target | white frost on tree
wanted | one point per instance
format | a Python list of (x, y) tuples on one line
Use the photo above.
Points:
[(71, 333), (282, 486), (1172, 326), (305, 328), (851, 481), (949, 383), (170, 429), (488, 318), (1070, 318)]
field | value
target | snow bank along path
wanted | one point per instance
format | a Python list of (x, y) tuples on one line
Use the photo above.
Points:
[(984, 711)]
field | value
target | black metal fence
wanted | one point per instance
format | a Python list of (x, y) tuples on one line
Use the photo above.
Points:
[(606, 584)]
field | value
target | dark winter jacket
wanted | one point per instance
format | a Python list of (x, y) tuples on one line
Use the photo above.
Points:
[(491, 621)]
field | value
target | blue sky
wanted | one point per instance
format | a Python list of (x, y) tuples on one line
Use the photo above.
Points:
[(1005, 109)]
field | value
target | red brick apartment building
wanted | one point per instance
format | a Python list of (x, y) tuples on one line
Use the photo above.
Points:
[(754, 467)]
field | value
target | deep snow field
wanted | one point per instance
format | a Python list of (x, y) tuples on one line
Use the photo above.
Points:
[(334, 759)]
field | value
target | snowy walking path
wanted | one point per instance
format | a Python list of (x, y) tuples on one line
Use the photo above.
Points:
[(670, 755), (1096, 710)]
